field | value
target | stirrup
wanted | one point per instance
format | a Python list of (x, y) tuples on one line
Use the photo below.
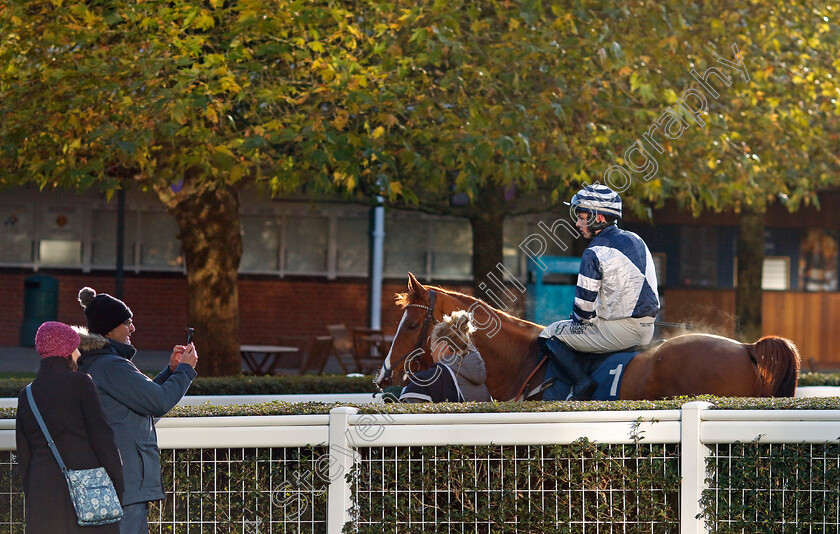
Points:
[(586, 393), (539, 389)]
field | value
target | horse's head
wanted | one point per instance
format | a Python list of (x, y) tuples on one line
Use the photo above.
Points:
[(505, 342), (410, 349)]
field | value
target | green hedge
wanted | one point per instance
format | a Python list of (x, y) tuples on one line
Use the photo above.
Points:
[(282, 385), (819, 379), (312, 384), (309, 384), (315, 408), (249, 385)]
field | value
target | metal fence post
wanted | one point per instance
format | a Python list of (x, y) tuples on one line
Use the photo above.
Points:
[(342, 456), (692, 468)]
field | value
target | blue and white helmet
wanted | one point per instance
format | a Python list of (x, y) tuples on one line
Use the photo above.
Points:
[(597, 199)]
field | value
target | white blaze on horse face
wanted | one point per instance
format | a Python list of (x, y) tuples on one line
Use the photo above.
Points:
[(387, 363)]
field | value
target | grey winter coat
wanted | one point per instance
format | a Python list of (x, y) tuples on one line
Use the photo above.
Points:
[(131, 401), (471, 374)]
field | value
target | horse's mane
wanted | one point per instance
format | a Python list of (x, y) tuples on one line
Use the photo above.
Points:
[(404, 299)]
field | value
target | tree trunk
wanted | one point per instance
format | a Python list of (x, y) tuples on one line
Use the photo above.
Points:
[(750, 263), (208, 219), (487, 224)]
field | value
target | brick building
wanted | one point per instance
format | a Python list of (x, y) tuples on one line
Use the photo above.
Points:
[(305, 264)]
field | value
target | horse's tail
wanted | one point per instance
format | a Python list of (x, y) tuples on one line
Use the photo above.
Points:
[(778, 364)]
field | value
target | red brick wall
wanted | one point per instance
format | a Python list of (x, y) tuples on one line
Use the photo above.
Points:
[(270, 309), (273, 309), (159, 305)]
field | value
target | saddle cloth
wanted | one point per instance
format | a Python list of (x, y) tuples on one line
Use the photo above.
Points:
[(608, 373)]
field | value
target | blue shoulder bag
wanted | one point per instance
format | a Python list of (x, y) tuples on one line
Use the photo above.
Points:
[(91, 490)]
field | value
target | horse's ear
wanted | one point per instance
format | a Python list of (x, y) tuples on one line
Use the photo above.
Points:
[(414, 286)]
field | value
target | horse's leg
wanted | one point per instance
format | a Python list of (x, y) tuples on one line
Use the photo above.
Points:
[(691, 365)]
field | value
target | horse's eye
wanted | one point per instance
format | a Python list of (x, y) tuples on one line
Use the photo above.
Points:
[(413, 326)]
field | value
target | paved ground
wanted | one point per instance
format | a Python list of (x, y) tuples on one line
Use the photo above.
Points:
[(26, 360)]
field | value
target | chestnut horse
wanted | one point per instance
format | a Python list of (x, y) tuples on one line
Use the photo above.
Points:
[(691, 364)]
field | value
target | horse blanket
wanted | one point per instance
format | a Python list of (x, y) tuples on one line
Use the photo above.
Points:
[(608, 373)]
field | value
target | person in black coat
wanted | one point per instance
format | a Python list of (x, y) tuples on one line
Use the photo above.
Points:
[(436, 384), (72, 412)]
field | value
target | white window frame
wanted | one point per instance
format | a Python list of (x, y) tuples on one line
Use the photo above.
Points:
[(32, 210), (141, 205), (769, 284)]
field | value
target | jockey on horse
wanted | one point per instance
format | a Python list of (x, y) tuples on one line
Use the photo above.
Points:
[(616, 299)]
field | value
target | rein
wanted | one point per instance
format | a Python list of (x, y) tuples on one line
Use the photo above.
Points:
[(520, 396), (428, 320)]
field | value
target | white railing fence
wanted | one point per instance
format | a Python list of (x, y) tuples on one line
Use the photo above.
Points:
[(290, 473)]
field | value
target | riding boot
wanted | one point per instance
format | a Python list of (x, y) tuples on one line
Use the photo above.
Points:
[(582, 384)]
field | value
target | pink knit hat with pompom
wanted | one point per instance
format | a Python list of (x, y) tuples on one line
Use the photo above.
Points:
[(56, 339)]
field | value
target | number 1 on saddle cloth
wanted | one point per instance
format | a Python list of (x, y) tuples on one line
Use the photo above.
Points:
[(606, 370)]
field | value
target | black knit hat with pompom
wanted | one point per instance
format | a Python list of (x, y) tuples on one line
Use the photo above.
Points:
[(102, 311)]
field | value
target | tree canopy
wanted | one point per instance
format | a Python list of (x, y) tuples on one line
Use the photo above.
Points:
[(501, 101), (419, 100)]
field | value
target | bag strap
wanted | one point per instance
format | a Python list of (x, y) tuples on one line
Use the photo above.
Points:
[(46, 432)]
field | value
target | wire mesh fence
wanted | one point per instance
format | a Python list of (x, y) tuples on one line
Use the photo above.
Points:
[(482, 473), (582, 487), (247, 490), (244, 490), (778, 488), (11, 495)]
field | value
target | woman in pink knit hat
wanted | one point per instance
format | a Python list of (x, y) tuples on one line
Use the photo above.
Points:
[(72, 412)]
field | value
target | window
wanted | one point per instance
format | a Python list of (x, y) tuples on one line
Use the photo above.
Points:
[(451, 248), (406, 243), (260, 243), (428, 247), (305, 245), (60, 233), (775, 273), (104, 242), (699, 256), (281, 238), (659, 266), (353, 239), (515, 232), (159, 245), (818, 257), (60, 253), (16, 234)]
